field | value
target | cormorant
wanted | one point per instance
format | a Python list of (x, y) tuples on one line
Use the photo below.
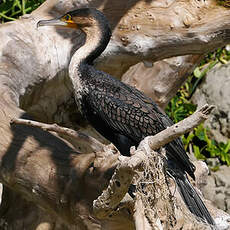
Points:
[(119, 112)]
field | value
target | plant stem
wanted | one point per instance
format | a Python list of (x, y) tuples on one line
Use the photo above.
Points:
[(6, 17), (23, 7)]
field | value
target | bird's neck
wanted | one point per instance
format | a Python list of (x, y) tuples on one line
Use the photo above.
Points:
[(97, 38)]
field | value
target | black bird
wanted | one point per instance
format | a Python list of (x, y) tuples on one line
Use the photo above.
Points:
[(119, 112)]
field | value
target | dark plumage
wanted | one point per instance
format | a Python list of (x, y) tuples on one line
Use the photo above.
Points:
[(125, 115), (119, 112)]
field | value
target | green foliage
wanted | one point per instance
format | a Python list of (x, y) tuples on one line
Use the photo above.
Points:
[(202, 145), (180, 107), (225, 3), (221, 56), (12, 9), (207, 147)]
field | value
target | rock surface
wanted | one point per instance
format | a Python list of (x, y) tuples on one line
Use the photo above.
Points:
[(215, 90), (217, 188)]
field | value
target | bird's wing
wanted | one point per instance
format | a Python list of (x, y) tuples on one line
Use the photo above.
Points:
[(125, 111), (130, 113)]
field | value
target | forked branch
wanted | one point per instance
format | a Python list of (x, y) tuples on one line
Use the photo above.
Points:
[(109, 202), (119, 184)]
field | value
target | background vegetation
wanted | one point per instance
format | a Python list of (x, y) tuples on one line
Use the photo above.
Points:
[(11, 9), (198, 140)]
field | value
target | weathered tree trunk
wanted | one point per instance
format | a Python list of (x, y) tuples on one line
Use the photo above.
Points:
[(52, 179), (164, 78)]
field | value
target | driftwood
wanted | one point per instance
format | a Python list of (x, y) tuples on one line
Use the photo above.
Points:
[(47, 176), (164, 78), (106, 205)]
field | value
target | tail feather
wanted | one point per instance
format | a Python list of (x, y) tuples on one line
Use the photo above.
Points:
[(192, 199)]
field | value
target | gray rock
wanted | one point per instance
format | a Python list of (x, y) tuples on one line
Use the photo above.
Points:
[(209, 190), (219, 200), (219, 180), (222, 176), (215, 90), (201, 173), (217, 188), (220, 190), (213, 162), (227, 203)]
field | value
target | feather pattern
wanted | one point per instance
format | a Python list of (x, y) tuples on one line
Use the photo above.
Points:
[(121, 113), (116, 109), (125, 116)]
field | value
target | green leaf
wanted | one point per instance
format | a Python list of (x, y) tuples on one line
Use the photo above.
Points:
[(227, 148), (201, 135), (197, 72), (12, 9), (197, 153)]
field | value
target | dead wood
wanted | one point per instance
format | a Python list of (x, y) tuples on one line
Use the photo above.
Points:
[(48, 170), (163, 79), (79, 140), (74, 202), (154, 30), (180, 128), (159, 209)]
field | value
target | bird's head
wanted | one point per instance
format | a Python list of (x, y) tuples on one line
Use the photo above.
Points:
[(92, 23), (79, 19)]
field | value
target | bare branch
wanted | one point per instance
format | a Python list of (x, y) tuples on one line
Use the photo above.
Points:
[(76, 138), (34, 74), (123, 175), (119, 184), (180, 128), (151, 30)]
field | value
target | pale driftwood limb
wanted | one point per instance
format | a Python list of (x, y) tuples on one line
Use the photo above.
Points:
[(152, 30), (123, 175), (141, 223), (193, 31), (180, 128), (34, 75), (119, 184), (76, 138)]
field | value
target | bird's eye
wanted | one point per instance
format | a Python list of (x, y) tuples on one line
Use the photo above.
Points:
[(67, 17)]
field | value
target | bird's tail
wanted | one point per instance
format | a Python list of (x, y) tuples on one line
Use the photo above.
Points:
[(191, 197)]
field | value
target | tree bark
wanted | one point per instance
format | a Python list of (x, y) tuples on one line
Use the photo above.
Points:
[(67, 184), (162, 80), (44, 171)]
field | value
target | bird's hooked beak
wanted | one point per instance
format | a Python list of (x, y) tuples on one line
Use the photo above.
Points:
[(61, 22)]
